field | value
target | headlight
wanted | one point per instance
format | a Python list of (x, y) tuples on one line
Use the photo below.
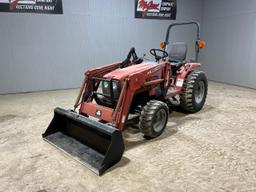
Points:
[(116, 89), (106, 89), (105, 85), (115, 85)]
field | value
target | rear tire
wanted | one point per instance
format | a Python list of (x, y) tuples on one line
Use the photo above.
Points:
[(153, 118), (194, 93)]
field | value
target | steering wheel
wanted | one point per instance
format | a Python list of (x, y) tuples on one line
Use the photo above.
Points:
[(157, 56)]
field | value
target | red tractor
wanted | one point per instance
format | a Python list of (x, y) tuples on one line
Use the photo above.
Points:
[(112, 94)]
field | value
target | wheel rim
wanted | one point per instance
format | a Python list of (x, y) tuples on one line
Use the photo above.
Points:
[(199, 92), (160, 120)]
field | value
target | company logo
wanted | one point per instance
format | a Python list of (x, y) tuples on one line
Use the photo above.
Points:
[(32, 6), (149, 6), (98, 113), (14, 3), (156, 9)]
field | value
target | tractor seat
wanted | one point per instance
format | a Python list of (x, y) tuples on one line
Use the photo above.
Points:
[(178, 52)]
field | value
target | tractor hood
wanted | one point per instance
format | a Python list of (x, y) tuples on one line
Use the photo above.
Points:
[(124, 72)]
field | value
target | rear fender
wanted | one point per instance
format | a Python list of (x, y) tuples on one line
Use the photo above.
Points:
[(185, 70), (181, 77)]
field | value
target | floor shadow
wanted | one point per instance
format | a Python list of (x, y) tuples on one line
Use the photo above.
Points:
[(178, 109), (123, 162), (133, 137), (207, 108), (7, 117)]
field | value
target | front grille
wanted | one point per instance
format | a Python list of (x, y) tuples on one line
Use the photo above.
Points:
[(106, 91)]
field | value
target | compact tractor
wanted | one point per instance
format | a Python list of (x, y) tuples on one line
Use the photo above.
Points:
[(136, 87)]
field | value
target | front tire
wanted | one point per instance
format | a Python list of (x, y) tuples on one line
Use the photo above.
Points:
[(194, 93), (153, 119)]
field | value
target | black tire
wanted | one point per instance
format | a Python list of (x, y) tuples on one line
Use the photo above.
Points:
[(153, 118), (194, 93)]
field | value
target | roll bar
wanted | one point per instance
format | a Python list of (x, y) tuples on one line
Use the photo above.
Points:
[(184, 23)]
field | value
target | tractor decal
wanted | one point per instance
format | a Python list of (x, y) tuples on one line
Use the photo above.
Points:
[(154, 70)]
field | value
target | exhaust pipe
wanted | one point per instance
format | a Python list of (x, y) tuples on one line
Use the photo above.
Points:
[(96, 145)]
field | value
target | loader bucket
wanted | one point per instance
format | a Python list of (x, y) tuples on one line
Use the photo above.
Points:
[(94, 144)]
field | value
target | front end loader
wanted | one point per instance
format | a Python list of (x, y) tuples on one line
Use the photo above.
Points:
[(136, 87)]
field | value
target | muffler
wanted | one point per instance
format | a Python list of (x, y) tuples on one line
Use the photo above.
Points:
[(96, 145)]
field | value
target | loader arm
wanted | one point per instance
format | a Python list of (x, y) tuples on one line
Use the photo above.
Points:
[(180, 79), (132, 83)]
